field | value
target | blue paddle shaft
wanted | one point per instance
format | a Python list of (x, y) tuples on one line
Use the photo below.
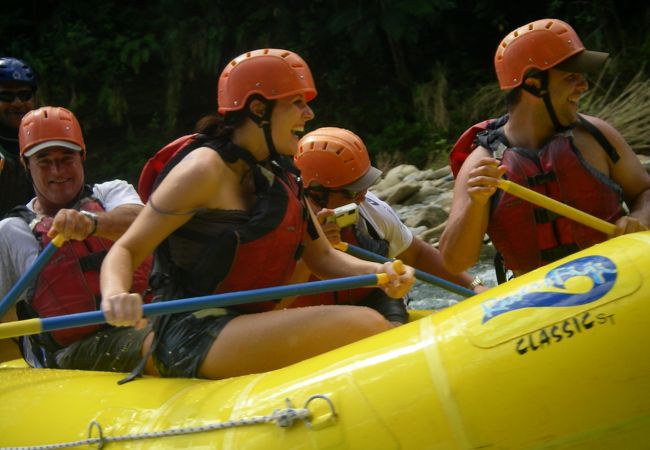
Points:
[(217, 300), (27, 278), (420, 275)]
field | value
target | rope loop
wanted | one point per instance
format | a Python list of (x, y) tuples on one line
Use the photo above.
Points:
[(99, 440), (329, 402)]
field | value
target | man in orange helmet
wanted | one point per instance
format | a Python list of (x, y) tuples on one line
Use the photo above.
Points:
[(90, 218), (544, 144), (336, 170)]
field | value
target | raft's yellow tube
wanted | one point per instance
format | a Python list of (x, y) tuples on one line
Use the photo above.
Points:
[(554, 359)]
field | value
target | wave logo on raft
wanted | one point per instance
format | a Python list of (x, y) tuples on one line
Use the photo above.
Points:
[(551, 291)]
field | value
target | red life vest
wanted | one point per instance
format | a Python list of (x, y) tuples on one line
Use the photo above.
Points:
[(465, 145), (557, 171), (269, 260), (69, 282), (157, 162), (258, 253)]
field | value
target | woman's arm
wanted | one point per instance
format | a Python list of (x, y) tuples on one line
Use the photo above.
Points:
[(326, 262), (195, 183)]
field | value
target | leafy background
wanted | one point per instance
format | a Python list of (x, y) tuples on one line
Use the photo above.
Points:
[(407, 75)]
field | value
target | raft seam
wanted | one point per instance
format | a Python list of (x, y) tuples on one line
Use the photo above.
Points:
[(440, 381), (241, 399)]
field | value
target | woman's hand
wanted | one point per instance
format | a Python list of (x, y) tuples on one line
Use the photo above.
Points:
[(399, 284), (123, 310)]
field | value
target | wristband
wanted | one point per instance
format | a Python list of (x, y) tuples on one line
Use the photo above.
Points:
[(476, 282), (94, 218)]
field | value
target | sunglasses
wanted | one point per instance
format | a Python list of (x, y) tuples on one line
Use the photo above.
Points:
[(10, 96)]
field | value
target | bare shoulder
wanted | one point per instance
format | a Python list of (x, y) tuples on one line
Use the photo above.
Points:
[(594, 152), (202, 167), (472, 161), (475, 156), (627, 171), (607, 129), (195, 181), (202, 160)]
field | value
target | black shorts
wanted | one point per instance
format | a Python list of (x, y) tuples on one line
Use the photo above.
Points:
[(393, 309), (111, 349), (186, 340)]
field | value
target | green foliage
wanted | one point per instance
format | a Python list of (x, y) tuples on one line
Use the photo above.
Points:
[(626, 109), (414, 142), (406, 75)]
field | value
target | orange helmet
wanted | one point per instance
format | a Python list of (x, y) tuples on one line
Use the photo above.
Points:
[(333, 158), (540, 45), (270, 72), (49, 126)]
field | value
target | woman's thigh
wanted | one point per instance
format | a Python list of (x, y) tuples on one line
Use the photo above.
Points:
[(255, 343)]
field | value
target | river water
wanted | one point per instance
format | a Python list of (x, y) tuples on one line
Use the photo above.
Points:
[(427, 296)]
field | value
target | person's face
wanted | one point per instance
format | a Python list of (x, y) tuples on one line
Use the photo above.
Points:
[(566, 89), (288, 120), (58, 176), (341, 196), (16, 100)]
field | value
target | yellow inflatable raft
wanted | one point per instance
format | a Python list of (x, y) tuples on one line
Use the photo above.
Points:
[(554, 359)]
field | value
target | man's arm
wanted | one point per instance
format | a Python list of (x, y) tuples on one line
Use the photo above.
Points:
[(410, 249), (73, 224), (461, 241), (18, 250), (639, 210), (633, 179), (428, 259), (122, 205)]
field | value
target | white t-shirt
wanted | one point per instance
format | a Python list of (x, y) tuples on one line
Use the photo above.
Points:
[(18, 246), (386, 223)]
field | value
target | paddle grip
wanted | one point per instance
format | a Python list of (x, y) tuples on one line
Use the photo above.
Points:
[(382, 278), (58, 240)]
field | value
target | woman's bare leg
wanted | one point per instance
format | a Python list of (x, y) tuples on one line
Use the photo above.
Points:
[(255, 343)]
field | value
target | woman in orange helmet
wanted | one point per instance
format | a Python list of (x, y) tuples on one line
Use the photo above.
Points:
[(544, 144), (228, 214)]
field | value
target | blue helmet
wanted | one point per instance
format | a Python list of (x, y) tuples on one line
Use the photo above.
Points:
[(13, 69)]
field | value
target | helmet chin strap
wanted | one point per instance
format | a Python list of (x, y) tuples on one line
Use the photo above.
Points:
[(264, 122), (543, 93)]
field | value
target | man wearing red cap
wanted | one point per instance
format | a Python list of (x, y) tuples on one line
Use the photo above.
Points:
[(90, 218), (544, 144)]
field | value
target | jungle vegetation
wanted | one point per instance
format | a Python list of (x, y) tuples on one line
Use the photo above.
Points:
[(407, 75)]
